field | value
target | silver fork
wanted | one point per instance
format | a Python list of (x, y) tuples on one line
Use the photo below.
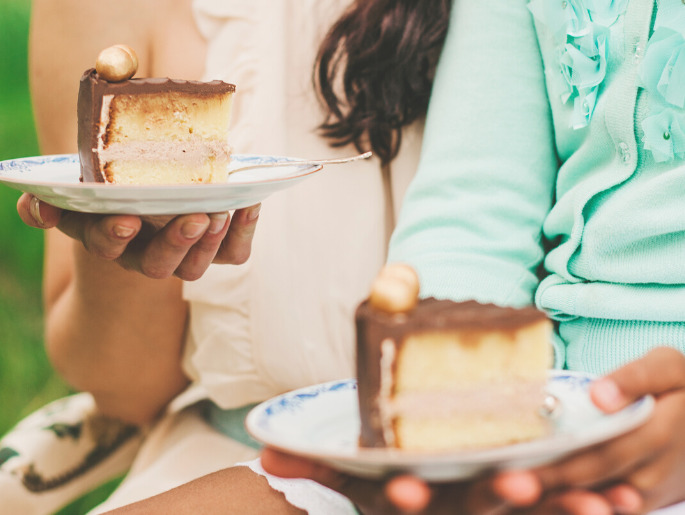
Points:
[(340, 160)]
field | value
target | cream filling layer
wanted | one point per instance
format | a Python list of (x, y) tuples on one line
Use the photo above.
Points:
[(387, 362), (507, 398), (104, 122), (193, 151)]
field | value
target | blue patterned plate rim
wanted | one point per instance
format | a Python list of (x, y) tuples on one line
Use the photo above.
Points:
[(265, 424), (13, 170)]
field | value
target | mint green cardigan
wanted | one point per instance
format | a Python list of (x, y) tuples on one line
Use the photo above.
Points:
[(553, 150)]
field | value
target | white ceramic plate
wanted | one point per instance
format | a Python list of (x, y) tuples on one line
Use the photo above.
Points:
[(322, 422), (55, 180)]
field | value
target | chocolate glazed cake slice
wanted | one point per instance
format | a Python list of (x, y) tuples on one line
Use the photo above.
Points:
[(154, 130), (446, 375)]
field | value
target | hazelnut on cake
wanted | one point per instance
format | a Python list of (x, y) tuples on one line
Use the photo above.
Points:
[(152, 130), (437, 375)]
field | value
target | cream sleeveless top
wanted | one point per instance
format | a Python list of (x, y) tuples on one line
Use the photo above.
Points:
[(285, 319)]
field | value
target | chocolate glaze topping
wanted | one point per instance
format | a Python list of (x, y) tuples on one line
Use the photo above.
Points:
[(374, 326), (91, 91)]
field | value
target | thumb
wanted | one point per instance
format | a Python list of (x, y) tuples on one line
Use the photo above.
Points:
[(36, 213), (660, 371)]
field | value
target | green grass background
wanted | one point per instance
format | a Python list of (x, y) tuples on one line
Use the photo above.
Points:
[(25, 376), (27, 381)]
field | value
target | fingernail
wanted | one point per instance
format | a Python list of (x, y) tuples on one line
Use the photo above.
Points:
[(34, 209), (192, 230), (122, 231), (608, 394), (217, 221), (253, 213)]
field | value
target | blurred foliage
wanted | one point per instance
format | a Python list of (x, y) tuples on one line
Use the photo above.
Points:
[(21, 251), (24, 371), (27, 381)]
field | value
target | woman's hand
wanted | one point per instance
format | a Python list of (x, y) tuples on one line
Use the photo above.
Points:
[(157, 247), (636, 472)]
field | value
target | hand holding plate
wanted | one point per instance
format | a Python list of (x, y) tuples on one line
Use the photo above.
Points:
[(402, 493), (642, 469), (157, 247)]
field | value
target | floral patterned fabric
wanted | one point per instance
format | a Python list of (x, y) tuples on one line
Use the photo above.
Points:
[(61, 452)]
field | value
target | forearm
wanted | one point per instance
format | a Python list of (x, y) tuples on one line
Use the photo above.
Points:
[(231, 490), (114, 333), (118, 335)]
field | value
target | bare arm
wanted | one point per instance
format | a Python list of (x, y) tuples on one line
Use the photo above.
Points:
[(232, 490), (113, 332)]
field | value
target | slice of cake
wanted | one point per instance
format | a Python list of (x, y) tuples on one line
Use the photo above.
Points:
[(153, 131), (440, 375)]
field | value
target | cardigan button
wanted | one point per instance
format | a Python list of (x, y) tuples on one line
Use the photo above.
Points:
[(624, 152)]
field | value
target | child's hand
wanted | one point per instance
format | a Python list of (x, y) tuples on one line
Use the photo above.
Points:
[(636, 472)]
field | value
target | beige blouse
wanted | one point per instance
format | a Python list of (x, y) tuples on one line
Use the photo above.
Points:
[(285, 319)]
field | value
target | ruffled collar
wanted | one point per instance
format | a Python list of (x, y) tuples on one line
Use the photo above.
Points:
[(581, 31)]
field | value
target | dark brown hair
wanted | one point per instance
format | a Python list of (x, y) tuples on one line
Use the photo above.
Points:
[(375, 68)]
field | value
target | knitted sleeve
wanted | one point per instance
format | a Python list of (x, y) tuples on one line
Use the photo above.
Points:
[(472, 219)]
